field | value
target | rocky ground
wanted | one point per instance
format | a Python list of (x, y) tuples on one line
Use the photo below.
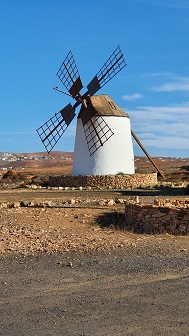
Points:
[(69, 268)]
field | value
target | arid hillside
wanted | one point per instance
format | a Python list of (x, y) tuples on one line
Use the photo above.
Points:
[(55, 162), (58, 162)]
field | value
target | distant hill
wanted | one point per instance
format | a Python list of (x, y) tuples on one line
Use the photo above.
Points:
[(58, 162), (37, 161)]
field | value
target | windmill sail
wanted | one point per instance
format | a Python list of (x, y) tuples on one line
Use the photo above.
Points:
[(69, 75), (52, 130), (97, 132), (113, 65)]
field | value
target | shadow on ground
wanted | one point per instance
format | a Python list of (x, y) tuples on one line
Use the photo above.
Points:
[(160, 191), (113, 220), (116, 220)]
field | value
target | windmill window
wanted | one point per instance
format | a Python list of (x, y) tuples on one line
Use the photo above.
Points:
[(113, 107)]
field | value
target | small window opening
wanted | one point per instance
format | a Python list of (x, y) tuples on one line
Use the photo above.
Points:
[(113, 107)]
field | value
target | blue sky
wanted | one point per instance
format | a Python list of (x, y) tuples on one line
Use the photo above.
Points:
[(153, 88)]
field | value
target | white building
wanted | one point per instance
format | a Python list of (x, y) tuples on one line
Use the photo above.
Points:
[(116, 154)]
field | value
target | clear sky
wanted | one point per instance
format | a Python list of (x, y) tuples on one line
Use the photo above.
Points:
[(153, 88)]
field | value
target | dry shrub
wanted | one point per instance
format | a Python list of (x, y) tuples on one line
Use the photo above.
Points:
[(12, 176)]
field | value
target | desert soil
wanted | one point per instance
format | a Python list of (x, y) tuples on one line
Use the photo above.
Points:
[(70, 270)]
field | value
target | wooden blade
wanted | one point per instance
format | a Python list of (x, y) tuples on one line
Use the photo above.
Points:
[(113, 65), (52, 130), (69, 75), (97, 132)]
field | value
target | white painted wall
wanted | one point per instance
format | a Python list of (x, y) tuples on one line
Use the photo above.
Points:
[(115, 156)]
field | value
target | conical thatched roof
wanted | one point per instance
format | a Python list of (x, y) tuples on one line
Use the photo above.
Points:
[(101, 105), (105, 106)]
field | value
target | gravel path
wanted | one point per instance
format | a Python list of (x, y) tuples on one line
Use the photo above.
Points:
[(98, 293)]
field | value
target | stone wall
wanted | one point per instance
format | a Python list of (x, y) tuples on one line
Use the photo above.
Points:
[(164, 216), (125, 181)]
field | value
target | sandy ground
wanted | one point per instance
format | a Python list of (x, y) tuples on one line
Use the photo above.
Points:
[(63, 274)]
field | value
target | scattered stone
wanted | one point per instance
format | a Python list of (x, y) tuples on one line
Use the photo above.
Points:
[(120, 201), (23, 203), (33, 186), (136, 199), (31, 204), (110, 202), (72, 201), (156, 202), (4, 205), (15, 205)]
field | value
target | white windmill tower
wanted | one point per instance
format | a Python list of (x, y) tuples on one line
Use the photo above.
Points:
[(97, 156)]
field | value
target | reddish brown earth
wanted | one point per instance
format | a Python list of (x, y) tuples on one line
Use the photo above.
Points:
[(64, 227), (61, 163)]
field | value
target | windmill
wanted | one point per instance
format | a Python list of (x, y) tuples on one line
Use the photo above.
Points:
[(103, 142)]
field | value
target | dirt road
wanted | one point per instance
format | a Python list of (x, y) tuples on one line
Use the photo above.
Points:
[(121, 293), (61, 274)]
